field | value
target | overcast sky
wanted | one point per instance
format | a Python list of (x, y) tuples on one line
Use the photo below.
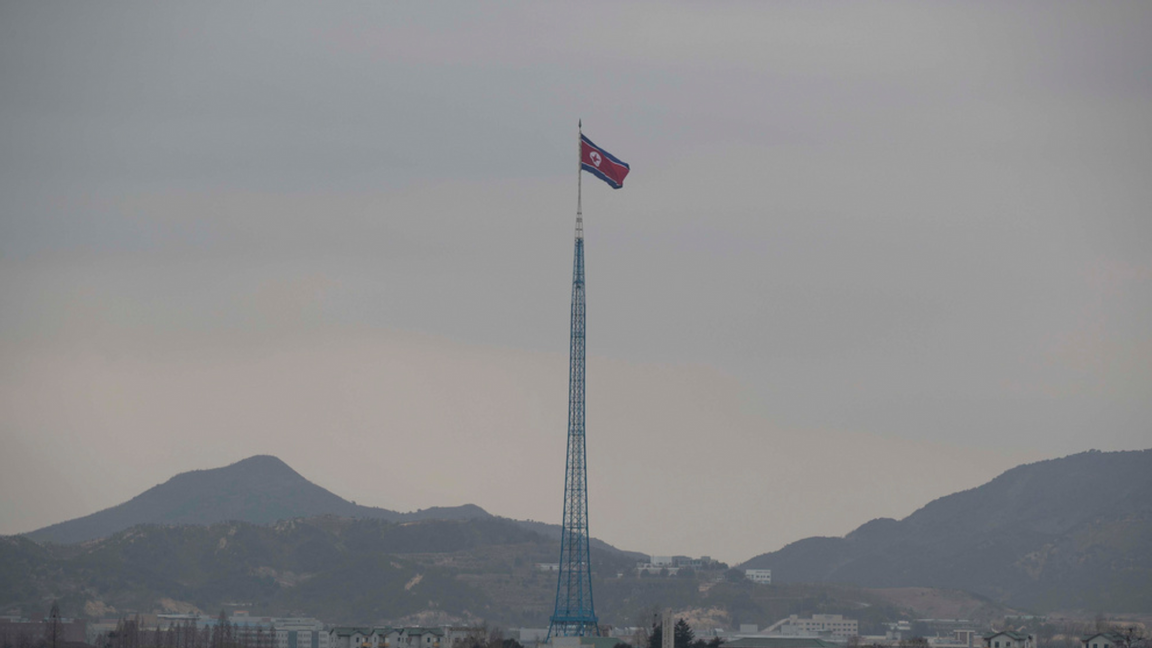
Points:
[(869, 254)]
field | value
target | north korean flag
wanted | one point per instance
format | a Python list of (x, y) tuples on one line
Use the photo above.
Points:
[(602, 164)]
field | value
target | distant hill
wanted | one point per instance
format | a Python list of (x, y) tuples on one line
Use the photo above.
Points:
[(553, 532), (339, 568), (362, 571), (260, 490), (1067, 533)]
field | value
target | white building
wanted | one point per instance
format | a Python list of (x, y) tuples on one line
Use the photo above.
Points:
[(418, 638), (351, 637), (1010, 639), (297, 632), (531, 636), (659, 565), (1105, 640), (759, 576), (832, 625)]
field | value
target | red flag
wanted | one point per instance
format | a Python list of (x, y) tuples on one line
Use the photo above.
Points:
[(602, 164)]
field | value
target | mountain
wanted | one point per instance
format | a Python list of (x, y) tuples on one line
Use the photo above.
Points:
[(325, 565), (260, 490), (554, 531), (257, 531), (1067, 533), (431, 572), (340, 569)]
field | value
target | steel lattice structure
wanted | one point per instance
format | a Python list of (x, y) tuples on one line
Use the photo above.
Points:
[(574, 615)]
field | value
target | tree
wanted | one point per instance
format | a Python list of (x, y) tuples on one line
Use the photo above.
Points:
[(656, 635), (54, 633), (477, 637), (1135, 637), (127, 633), (682, 635), (640, 636), (222, 633)]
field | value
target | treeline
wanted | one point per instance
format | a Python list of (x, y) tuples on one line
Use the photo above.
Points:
[(130, 633), (49, 634), (682, 637), (18, 635)]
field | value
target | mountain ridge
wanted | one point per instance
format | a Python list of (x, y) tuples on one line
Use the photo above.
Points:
[(261, 489), (1072, 532), (357, 571), (1069, 533)]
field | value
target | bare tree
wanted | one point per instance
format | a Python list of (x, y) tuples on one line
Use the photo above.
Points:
[(54, 632), (477, 637), (1135, 637)]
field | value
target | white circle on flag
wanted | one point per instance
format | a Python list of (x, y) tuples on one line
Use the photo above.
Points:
[(595, 158)]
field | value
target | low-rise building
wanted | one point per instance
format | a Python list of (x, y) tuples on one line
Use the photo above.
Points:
[(419, 638), (299, 632), (656, 568), (966, 637), (831, 625), (759, 576), (1009, 639), (357, 637), (1105, 640)]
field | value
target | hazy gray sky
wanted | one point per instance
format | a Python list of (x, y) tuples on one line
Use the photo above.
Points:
[(869, 253)]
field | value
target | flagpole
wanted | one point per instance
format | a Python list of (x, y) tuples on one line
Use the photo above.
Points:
[(579, 178)]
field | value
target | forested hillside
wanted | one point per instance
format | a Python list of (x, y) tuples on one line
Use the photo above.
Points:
[(1072, 533)]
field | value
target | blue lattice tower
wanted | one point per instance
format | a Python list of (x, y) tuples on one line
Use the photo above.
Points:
[(574, 615)]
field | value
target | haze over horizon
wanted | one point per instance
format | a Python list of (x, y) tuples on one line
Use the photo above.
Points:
[(868, 254)]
